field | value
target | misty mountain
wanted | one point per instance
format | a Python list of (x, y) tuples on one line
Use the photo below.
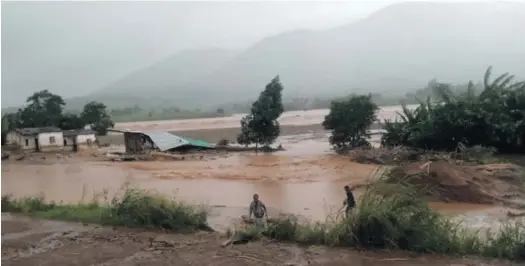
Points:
[(174, 72), (397, 49)]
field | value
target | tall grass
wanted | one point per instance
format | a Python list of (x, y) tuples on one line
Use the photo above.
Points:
[(136, 208), (396, 217)]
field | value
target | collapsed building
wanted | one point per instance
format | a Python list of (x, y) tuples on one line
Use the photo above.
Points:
[(138, 142)]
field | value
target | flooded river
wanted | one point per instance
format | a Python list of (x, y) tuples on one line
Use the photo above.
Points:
[(306, 179), (292, 118)]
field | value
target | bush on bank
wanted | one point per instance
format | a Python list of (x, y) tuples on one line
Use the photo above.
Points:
[(388, 216), (395, 217), (492, 117), (136, 208)]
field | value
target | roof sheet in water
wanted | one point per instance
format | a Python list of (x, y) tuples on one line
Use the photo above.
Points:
[(167, 141)]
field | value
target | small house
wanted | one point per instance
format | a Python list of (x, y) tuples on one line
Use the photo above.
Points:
[(79, 139), (37, 138)]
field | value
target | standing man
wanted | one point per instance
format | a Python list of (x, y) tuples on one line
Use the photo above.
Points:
[(349, 201), (259, 211)]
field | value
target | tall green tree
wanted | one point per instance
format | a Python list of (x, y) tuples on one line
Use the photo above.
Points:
[(71, 121), (96, 115), (261, 127), (349, 121), (44, 109), (101, 126)]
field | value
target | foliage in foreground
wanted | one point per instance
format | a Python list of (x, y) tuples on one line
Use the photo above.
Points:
[(495, 117), (394, 217), (349, 121), (136, 208), (261, 127)]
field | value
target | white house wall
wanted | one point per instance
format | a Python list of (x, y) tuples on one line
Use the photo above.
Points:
[(85, 139), (30, 142), (45, 144), (12, 138)]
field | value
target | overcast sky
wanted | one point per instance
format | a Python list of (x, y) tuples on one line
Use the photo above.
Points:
[(74, 48)]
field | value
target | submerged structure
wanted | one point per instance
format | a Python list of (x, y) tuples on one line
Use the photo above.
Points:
[(141, 142)]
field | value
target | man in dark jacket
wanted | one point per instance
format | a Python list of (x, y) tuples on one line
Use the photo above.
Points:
[(349, 201)]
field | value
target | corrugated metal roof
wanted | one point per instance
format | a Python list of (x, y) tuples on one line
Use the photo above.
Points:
[(166, 141), (199, 143), (37, 130), (76, 132)]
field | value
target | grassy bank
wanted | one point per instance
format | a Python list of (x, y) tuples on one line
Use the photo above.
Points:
[(394, 217), (136, 208), (388, 216)]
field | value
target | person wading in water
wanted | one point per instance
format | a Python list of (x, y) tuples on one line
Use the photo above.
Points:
[(259, 211), (349, 201)]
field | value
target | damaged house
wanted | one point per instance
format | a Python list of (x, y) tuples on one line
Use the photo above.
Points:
[(142, 142)]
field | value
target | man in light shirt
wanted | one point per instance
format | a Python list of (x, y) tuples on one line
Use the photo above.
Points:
[(258, 209)]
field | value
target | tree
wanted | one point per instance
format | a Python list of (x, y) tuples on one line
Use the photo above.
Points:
[(102, 126), (71, 121), (349, 121), (260, 127), (44, 109), (245, 137), (220, 111), (95, 114), (94, 111), (8, 123)]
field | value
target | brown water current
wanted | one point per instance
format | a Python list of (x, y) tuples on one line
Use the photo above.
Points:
[(292, 118), (306, 179)]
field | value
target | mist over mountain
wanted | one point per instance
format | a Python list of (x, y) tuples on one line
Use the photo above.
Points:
[(394, 50), (174, 72)]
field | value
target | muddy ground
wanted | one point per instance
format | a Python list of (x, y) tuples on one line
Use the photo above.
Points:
[(50, 243)]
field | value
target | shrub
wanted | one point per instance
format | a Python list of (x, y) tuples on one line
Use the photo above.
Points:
[(495, 117), (136, 208), (349, 121), (139, 209), (395, 217)]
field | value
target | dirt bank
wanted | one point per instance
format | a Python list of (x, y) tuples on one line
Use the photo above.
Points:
[(50, 243), (483, 184)]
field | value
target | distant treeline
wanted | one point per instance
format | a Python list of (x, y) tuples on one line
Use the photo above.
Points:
[(297, 103), (148, 111)]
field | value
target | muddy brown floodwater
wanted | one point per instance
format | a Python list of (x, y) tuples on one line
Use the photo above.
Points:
[(306, 179)]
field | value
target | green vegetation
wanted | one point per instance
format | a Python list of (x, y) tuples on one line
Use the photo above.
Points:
[(492, 117), (261, 126), (136, 208), (349, 121), (392, 216), (45, 109), (395, 217)]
